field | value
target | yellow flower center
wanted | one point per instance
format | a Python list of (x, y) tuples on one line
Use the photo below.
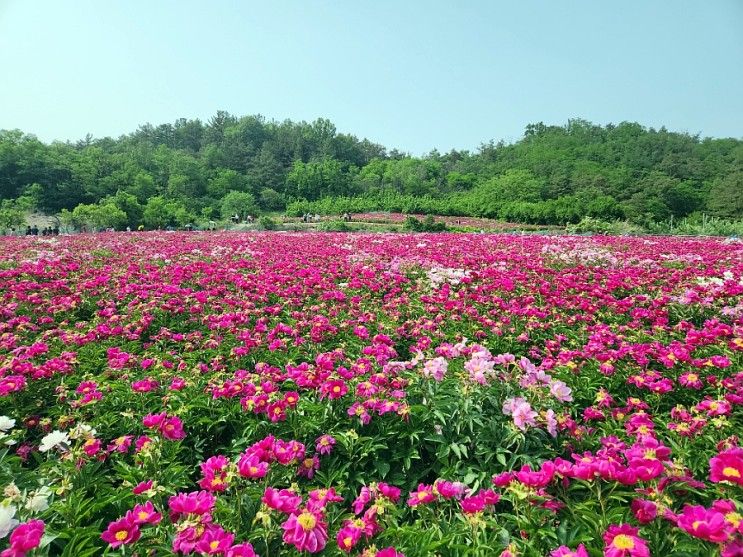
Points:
[(421, 495), (347, 541), (650, 454), (336, 389), (121, 535), (623, 541), (214, 545), (695, 524), (734, 518), (307, 521), (692, 377), (730, 472), (142, 515)]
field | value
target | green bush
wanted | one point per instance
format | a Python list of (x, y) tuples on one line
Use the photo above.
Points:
[(267, 223)]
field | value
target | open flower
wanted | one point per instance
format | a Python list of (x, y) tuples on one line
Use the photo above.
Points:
[(727, 466), (306, 531), (621, 540), (53, 440), (121, 532)]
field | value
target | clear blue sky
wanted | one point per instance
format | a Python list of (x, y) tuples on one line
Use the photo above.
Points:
[(410, 74)]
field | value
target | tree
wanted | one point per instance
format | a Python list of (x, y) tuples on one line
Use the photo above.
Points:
[(271, 200), (161, 212), (226, 180), (238, 203), (726, 196), (11, 215)]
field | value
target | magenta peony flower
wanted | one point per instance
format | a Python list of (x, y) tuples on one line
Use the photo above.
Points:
[(621, 540), (306, 531), (121, 532)]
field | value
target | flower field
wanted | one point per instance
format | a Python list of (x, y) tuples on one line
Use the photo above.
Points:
[(370, 394)]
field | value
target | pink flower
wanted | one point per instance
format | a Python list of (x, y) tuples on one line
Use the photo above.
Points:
[(333, 389), (241, 550), (285, 500), (308, 466), (153, 421), (706, 524), (521, 412), (621, 540), (215, 541), (306, 531), (91, 447), (172, 429), (423, 495), (389, 552), (727, 466), (214, 471), (645, 511), (324, 444), (249, 466), (120, 444), (565, 551), (473, 504), (449, 490), (195, 502), (141, 487), (436, 368), (319, 498), (145, 514), (121, 532), (349, 535), (25, 537)]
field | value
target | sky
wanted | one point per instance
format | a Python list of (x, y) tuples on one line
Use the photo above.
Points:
[(413, 75)]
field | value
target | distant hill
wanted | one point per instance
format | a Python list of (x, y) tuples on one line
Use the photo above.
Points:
[(190, 170)]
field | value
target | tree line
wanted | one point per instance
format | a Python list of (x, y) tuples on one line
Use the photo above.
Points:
[(190, 170)]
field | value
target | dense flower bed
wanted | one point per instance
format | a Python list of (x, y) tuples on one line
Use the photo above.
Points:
[(241, 394)]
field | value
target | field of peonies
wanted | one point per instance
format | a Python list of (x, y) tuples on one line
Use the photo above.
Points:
[(269, 394)]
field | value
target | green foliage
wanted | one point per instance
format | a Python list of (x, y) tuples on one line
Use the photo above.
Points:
[(591, 225), (271, 200), (267, 223), (552, 175), (428, 224), (161, 213), (238, 203), (12, 214)]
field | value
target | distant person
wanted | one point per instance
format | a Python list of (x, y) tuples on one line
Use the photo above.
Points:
[(29, 230), (55, 230), (35, 230)]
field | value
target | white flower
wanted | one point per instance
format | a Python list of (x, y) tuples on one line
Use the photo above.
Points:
[(53, 439), (37, 502), (7, 522), (12, 492), (82, 431), (6, 423)]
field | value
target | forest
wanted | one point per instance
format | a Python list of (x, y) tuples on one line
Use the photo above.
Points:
[(192, 171)]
